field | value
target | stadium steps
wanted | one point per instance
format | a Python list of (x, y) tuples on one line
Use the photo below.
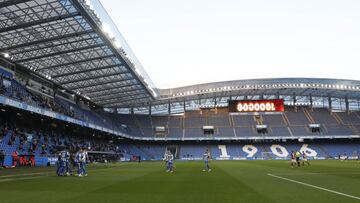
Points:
[(138, 125), (337, 118), (138, 152), (325, 129), (231, 121), (286, 120), (308, 116), (323, 150), (357, 115), (354, 129), (234, 132), (255, 120), (146, 152), (291, 133), (258, 121), (254, 130)]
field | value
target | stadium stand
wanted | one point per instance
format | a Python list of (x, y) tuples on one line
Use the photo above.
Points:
[(31, 146), (69, 81), (28, 143), (81, 79), (293, 122)]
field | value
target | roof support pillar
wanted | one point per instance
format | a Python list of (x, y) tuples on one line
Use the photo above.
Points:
[(169, 108), (184, 106), (347, 105), (294, 101), (330, 103), (150, 109)]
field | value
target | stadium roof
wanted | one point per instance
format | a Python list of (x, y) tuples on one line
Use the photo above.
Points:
[(315, 87), (75, 44)]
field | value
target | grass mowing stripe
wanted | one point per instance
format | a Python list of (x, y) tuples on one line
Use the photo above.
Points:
[(47, 172), (15, 179), (230, 181), (26, 174), (314, 186)]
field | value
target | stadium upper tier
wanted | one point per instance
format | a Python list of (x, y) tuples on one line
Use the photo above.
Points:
[(304, 121), (265, 88), (292, 124)]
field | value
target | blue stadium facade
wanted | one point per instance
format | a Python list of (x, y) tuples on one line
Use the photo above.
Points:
[(69, 79)]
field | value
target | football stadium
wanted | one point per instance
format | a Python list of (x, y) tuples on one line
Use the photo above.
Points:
[(82, 121)]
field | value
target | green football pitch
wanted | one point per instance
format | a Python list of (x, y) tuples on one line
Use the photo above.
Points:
[(229, 181)]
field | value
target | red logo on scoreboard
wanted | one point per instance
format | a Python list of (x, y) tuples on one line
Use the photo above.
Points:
[(276, 105)]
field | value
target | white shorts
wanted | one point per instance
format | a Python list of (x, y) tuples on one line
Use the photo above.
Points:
[(293, 160)]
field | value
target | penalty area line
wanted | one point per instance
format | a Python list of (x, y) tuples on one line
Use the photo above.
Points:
[(314, 186)]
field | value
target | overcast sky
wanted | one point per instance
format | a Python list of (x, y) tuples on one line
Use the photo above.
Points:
[(184, 42)]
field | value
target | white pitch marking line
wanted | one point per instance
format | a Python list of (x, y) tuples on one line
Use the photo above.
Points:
[(296, 174), (314, 186)]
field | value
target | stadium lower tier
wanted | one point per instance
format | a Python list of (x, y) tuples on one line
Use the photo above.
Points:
[(236, 151), (219, 151)]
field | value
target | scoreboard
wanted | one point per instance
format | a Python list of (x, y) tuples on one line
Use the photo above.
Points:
[(248, 106)]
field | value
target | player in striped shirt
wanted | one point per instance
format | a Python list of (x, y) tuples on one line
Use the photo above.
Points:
[(169, 158), (79, 158)]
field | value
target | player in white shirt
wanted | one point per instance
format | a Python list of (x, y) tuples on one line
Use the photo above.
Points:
[(84, 161), (206, 158)]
